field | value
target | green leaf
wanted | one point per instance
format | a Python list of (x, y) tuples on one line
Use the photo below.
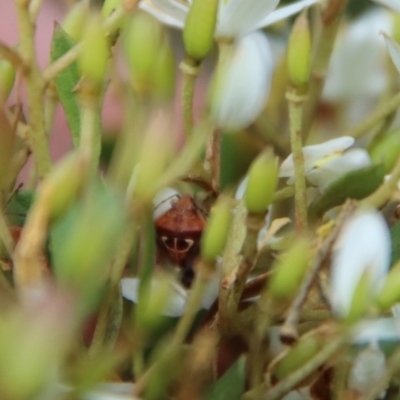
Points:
[(354, 185), (231, 384), (18, 207), (66, 82), (395, 234)]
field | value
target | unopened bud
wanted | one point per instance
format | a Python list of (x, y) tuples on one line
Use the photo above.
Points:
[(386, 150), (390, 293), (76, 19), (109, 6), (85, 240), (396, 27), (95, 52), (66, 181), (216, 232), (7, 78), (299, 52), (263, 178), (198, 34), (297, 356), (149, 56), (289, 270)]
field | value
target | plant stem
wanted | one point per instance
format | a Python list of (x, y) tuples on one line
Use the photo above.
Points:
[(331, 19), (61, 63), (383, 194), (34, 88), (287, 384), (11, 56), (381, 112), (295, 101), (190, 72), (213, 158), (204, 272)]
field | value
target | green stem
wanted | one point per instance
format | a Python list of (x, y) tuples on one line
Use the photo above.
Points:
[(287, 384), (381, 113), (204, 273), (331, 21), (190, 72), (383, 194), (35, 89), (295, 101), (90, 141)]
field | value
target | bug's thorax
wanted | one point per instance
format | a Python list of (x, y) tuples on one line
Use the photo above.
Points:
[(179, 230)]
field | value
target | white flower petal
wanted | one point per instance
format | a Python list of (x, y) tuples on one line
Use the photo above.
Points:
[(211, 292), (169, 12), (357, 66), (176, 299), (382, 329), (363, 245), (393, 4), (394, 51), (163, 201), (314, 153), (243, 86), (284, 12), (111, 391), (333, 169), (238, 17)]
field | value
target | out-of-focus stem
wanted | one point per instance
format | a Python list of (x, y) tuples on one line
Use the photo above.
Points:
[(331, 19), (190, 72), (295, 101), (34, 88)]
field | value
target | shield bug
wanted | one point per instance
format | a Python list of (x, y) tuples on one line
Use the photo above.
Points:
[(178, 233)]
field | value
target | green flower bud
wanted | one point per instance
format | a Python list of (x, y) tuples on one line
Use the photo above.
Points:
[(109, 6), (216, 232), (386, 150), (66, 181), (7, 78), (149, 56), (95, 52), (299, 52), (361, 299), (263, 178), (85, 240), (390, 293), (198, 34), (76, 19), (297, 356), (290, 270)]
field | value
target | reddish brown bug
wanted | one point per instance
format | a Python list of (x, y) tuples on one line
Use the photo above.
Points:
[(178, 233)]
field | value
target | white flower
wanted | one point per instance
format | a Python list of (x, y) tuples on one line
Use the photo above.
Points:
[(357, 66), (163, 201), (243, 82), (361, 250), (326, 162), (235, 17), (176, 297)]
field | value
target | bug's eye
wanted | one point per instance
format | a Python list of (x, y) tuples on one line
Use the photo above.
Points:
[(184, 244)]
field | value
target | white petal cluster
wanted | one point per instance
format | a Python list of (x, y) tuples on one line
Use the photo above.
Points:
[(326, 162), (362, 249), (243, 88)]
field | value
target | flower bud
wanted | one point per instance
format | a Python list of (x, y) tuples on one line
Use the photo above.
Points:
[(396, 27), (66, 181), (297, 356), (75, 20), (289, 270), (109, 6), (263, 178), (390, 293), (299, 52), (95, 52), (149, 56), (198, 33), (85, 240), (216, 231), (386, 150), (7, 78)]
